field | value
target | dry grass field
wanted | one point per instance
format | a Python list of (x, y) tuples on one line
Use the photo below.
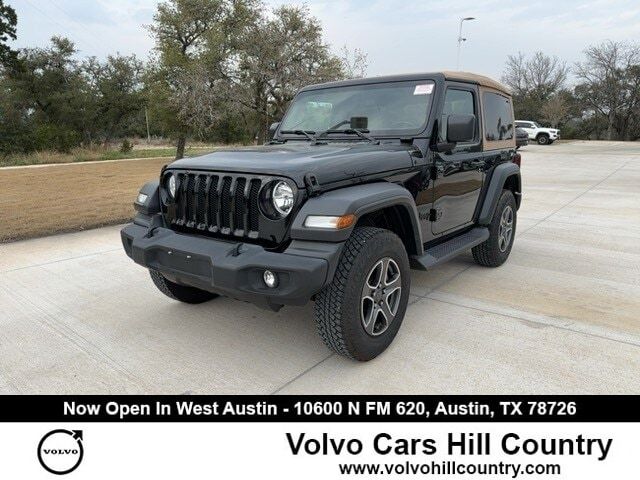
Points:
[(39, 201)]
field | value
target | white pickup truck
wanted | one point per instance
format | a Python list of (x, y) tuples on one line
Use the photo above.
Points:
[(542, 135)]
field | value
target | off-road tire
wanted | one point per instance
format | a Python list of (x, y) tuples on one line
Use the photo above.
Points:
[(488, 253), (180, 292), (338, 306), (543, 139)]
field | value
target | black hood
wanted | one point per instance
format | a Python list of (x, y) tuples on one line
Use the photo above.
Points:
[(329, 163)]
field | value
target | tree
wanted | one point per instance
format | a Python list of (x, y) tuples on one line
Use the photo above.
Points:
[(281, 54), (533, 81), (354, 62), (191, 35), (610, 86), (116, 88), (48, 87), (557, 108), (8, 23)]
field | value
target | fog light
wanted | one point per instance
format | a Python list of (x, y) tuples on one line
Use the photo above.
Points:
[(142, 197), (270, 279)]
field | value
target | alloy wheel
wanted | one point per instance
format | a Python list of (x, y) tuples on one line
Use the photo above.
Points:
[(506, 229), (380, 296)]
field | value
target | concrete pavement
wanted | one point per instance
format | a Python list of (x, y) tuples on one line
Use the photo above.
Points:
[(561, 316)]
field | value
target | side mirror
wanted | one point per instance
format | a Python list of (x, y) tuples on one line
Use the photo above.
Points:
[(272, 129), (461, 128)]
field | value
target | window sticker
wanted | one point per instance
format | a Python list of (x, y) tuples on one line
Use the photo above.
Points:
[(425, 89)]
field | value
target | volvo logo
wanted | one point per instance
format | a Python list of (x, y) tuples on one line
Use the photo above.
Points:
[(61, 451)]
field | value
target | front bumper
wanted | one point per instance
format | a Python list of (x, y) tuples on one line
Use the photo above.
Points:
[(234, 269)]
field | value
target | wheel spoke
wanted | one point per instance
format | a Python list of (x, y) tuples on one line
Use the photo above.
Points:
[(370, 326), (386, 311), (391, 299), (368, 290), (393, 284)]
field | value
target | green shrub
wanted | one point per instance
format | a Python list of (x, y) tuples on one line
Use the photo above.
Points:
[(55, 137), (126, 146)]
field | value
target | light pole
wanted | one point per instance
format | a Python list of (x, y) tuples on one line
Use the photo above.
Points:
[(461, 39)]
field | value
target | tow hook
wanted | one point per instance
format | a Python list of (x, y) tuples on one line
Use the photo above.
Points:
[(156, 222), (150, 232), (237, 250)]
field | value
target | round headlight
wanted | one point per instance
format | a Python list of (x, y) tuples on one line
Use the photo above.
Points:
[(282, 198), (172, 186)]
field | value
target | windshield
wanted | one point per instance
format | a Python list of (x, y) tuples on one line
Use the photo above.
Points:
[(398, 108)]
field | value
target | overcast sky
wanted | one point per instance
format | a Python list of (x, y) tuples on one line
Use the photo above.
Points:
[(399, 36)]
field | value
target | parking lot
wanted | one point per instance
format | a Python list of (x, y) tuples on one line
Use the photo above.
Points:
[(561, 316)]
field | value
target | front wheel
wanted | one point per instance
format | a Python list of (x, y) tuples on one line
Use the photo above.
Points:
[(360, 312)]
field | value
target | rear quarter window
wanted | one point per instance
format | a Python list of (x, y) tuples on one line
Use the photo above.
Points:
[(498, 117)]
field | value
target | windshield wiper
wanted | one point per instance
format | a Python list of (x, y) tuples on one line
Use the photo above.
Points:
[(308, 134), (311, 135), (350, 131)]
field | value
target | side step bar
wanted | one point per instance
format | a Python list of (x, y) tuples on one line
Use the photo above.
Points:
[(449, 249)]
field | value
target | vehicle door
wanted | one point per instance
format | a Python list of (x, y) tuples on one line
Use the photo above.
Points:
[(528, 127), (459, 173)]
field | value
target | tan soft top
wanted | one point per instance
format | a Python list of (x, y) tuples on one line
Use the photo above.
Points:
[(475, 78), (448, 75)]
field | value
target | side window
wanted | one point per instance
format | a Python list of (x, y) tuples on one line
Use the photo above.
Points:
[(498, 120), (456, 102), (522, 125)]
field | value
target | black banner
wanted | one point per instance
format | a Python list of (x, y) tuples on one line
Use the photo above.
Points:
[(374, 408)]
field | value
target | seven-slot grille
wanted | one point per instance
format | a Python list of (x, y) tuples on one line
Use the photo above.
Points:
[(218, 203)]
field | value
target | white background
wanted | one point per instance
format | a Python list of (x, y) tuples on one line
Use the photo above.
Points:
[(259, 451)]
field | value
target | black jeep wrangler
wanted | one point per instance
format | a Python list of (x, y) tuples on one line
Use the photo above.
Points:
[(362, 180)]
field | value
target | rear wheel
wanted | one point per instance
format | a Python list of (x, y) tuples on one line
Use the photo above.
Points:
[(543, 139), (359, 313), (179, 292), (496, 249)]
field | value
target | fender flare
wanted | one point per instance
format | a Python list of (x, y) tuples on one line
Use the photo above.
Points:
[(358, 200), (152, 203), (494, 190)]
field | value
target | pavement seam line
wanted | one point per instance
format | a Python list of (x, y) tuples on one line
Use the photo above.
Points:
[(566, 327), (66, 332), (526, 230), (60, 260), (301, 374)]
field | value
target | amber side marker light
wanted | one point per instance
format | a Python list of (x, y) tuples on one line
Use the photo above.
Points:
[(330, 223)]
